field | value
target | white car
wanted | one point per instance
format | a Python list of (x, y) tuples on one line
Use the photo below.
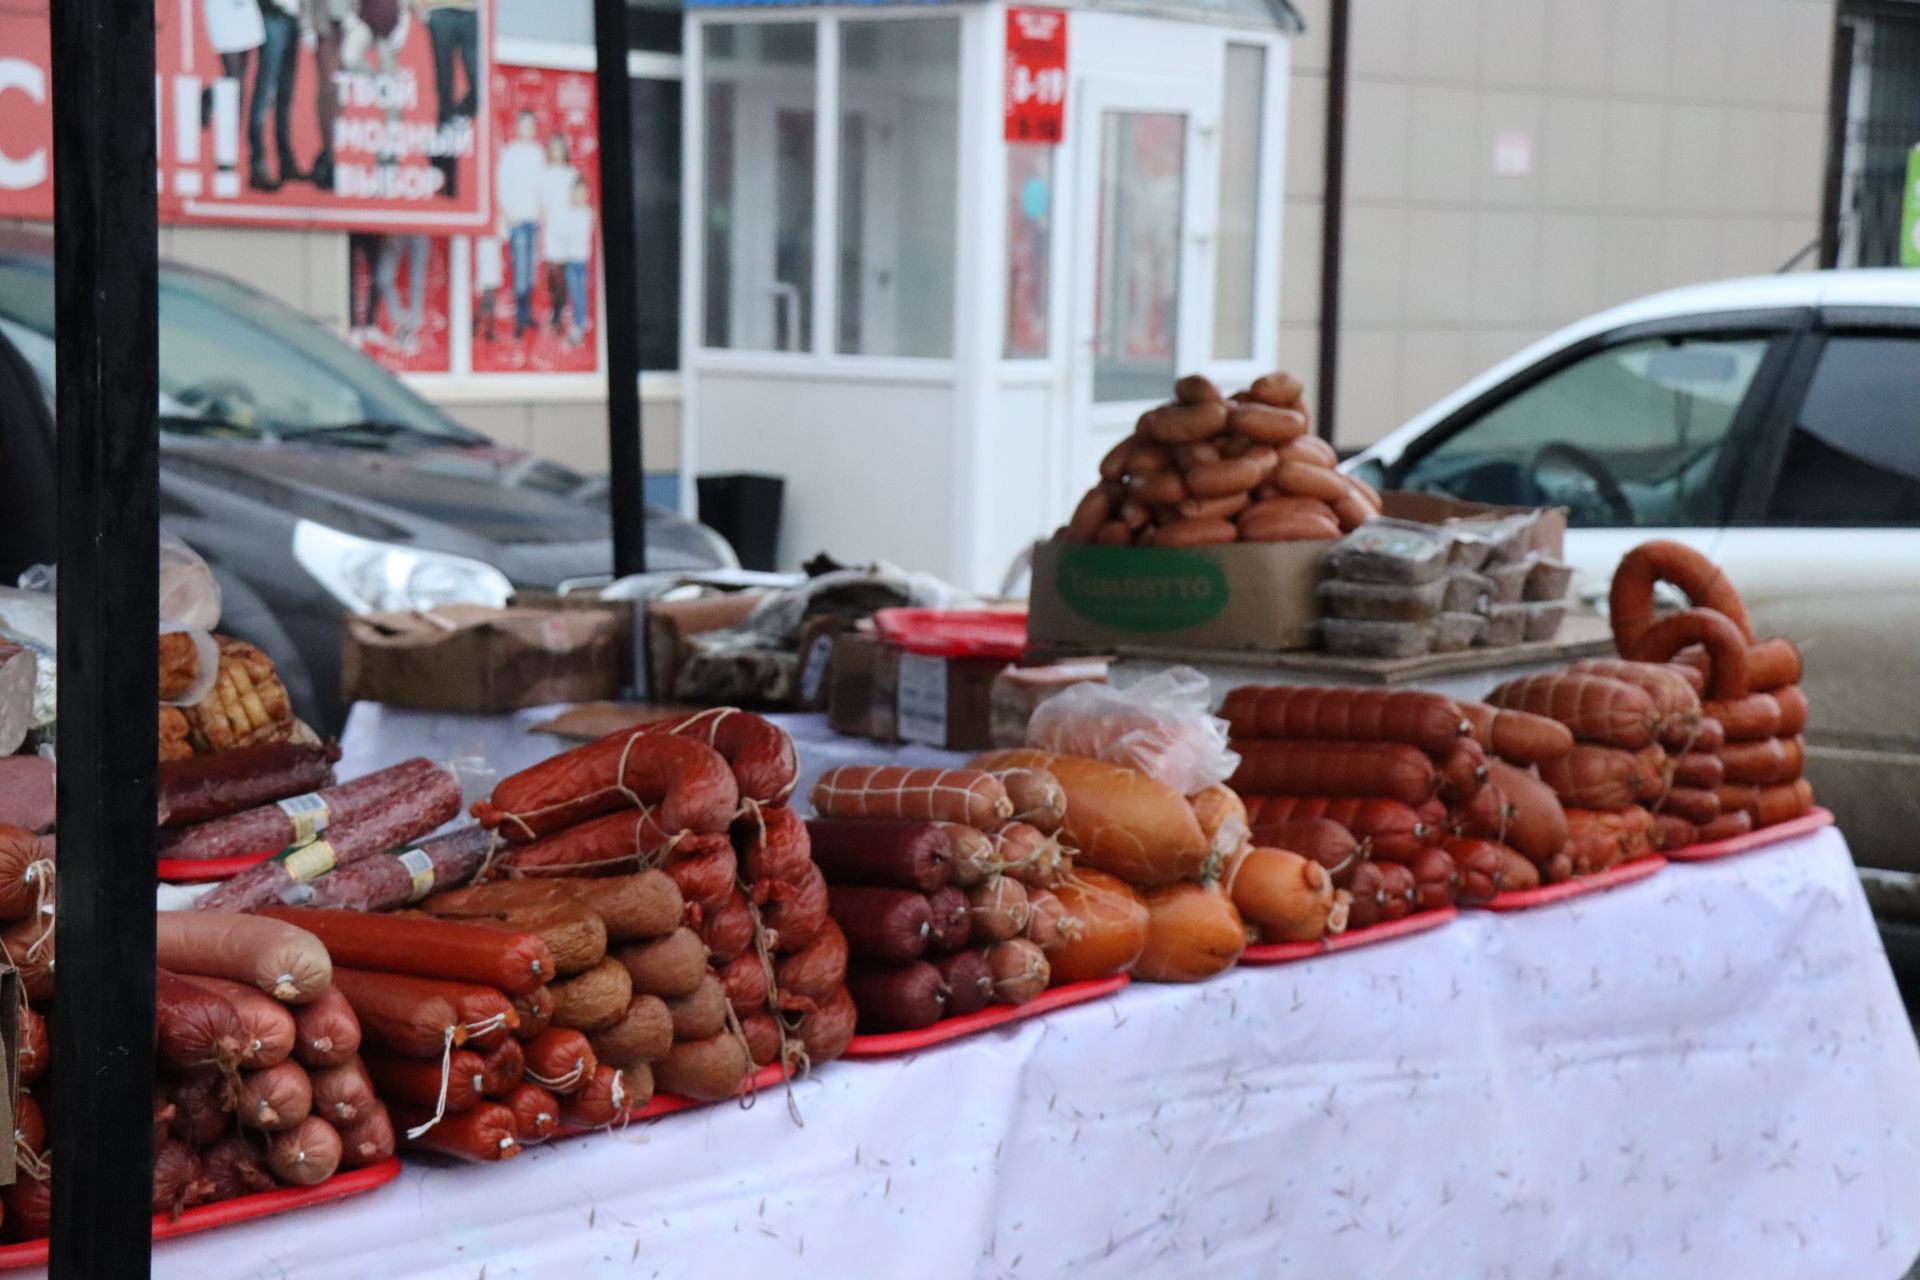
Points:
[(1773, 424)]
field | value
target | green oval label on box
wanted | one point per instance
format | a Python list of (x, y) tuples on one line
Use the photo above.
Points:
[(1142, 588)]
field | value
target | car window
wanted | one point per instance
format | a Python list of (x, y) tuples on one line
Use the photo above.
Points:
[(234, 358), (1628, 436), (1853, 457)]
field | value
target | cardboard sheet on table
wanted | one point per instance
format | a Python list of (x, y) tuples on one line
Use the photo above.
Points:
[(221, 1213), (207, 870), (665, 1104), (1282, 952), (1578, 887), (1779, 833), (999, 1015)]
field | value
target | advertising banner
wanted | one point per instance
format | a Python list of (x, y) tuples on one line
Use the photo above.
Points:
[(536, 304), (399, 295), (334, 114)]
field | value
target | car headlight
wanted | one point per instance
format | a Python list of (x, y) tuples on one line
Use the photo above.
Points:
[(374, 577)]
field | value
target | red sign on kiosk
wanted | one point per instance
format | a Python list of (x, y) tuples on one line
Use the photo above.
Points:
[(1036, 75)]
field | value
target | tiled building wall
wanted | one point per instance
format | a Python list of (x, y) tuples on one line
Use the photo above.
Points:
[(1672, 141)]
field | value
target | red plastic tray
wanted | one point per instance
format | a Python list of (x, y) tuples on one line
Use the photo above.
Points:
[(665, 1104), (955, 633), (1282, 952), (999, 1015), (205, 870), (33, 1253), (1804, 825), (1579, 887)]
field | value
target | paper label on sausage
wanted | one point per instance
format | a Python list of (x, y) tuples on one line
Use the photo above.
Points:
[(922, 701), (308, 814), (815, 669), (308, 861), (420, 867)]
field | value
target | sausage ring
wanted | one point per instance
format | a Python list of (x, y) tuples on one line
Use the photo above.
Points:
[(1089, 515), (1281, 390), (1159, 488), (1726, 648), (1198, 533), (1184, 423), (1773, 664), (1630, 602), (1267, 424), (1222, 508), (1196, 389), (1304, 481)]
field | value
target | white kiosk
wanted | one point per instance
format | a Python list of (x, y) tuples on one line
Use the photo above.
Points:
[(933, 331)]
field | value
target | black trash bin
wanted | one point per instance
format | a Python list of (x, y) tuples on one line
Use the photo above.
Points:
[(745, 510)]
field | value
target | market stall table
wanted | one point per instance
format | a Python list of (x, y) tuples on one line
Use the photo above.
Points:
[(1708, 1073)]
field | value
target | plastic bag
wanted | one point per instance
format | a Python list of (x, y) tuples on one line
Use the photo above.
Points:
[(1159, 726)]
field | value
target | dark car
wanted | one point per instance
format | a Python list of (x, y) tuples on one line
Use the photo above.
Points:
[(311, 480)]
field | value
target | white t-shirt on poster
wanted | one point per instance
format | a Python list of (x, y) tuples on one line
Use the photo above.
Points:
[(570, 234), (518, 180)]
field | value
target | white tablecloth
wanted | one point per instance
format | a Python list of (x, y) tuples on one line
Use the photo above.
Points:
[(1705, 1074)]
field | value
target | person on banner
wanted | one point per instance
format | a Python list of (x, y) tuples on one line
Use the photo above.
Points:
[(404, 317), (323, 21), (365, 250), (453, 27), (556, 195), (489, 274), (517, 183), (234, 29), (370, 43), (273, 84), (570, 239)]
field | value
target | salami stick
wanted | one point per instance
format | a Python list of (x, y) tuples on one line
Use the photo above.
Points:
[(403, 819), (1429, 721), (689, 781), (202, 788), (386, 881), (273, 827)]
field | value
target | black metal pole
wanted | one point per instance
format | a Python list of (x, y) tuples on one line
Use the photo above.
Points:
[(106, 369), (626, 487), (1839, 91), (1333, 221)]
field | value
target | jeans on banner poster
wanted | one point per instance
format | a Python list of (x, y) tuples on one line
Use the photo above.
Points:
[(521, 240)]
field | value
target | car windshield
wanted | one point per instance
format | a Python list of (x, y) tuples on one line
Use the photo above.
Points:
[(235, 363)]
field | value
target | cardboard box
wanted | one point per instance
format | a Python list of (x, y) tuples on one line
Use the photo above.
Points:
[(671, 623), (475, 658), (882, 692), (623, 613), (1245, 595)]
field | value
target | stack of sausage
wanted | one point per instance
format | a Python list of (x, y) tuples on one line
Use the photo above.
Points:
[(601, 934), (1623, 717), (26, 908), (1751, 690), (942, 883), (1203, 469), (455, 1018), (307, 833), (1165, 885), (703, 798), (257, 1085), (1514, 812), (1361, 781)]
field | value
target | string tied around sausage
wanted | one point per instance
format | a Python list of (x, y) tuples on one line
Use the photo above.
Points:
[(40, 874), (446, 1077), (792, 1054), (561, 1084), (485, 1026), (36, 1165)]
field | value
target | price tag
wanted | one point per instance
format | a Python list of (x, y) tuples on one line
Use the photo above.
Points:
[(922, 700), (420, 867), (1035, 77), (308, 814), (308, 862), (815, 669)]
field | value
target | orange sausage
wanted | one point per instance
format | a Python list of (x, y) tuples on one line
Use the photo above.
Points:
[(1768, 762), (1283, 526), (1392, 770), (1158, 488), (1281, 390), (1114, 465), (1350, 509), (1134, 514), (1266, 423), (1595, 708), (1114, 533), (1149, 458), (1793, 710), (1196, 389), (1308, 481), (1773, 664), (1519, 736), (1699, 769), (1198, 533), (1311, 450), (1692, 804), (1177, 423), (1748, 719), (1214, 508), (1229, 475), (1089, 515), (1726, 827)]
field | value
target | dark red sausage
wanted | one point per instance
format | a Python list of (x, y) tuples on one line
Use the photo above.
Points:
[(689, 781), (201, 788)]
